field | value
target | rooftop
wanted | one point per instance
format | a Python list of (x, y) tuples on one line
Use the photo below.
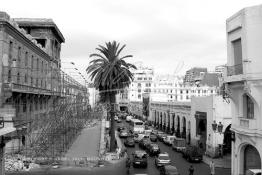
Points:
[(40, 22)]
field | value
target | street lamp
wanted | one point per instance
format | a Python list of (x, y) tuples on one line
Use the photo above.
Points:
[(217, 127)]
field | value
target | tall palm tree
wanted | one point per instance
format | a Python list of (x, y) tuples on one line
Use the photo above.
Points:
[(110, 73)]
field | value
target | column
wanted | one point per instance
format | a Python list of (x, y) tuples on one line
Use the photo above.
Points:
[(2, 156)]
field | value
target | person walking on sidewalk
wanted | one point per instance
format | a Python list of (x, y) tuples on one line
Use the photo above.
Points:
[(212, 168), (191, 170)]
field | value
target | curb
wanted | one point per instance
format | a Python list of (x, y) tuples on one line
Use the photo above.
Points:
[(217, 165)]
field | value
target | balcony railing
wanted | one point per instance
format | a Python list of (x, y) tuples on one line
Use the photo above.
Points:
[(235, 70), (248, 123)]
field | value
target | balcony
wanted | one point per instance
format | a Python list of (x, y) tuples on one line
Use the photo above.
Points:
[(247, 125), (234, 73), (235, 70)]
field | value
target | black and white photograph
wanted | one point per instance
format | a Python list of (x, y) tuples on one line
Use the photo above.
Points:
[(131, 87)]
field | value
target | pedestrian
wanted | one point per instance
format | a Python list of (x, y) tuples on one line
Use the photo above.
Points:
[(191, 170), (212, 168)]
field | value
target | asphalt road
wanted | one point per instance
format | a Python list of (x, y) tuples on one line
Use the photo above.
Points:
[(176, 160), (119, 169)]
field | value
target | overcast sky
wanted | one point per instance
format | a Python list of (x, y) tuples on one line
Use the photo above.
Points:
[(163, 34)]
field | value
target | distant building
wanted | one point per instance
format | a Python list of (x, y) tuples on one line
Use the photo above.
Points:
[(194, 74), (242, 83)]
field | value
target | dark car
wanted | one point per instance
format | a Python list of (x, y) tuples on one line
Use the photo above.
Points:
[(143, 142), (153, 149), (192, 154), (129, 142), (168, 170), (118, 120), (159, 134), (153, 137), (162, 137), (139, 159), (119, 128)]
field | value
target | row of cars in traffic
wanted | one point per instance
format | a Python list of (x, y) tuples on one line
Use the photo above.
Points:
[(149, 147)]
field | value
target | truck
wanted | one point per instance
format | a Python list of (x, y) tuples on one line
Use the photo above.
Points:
[(179, 144)]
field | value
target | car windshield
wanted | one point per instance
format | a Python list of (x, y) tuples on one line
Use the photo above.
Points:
[(164, 157)]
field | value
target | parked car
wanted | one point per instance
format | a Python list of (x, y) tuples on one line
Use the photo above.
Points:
[(154, 149), (119, 128), (129, 142), (169, 170), (159, 133), (162, 159), (139, 137), (179, 144), (139, 159), (118, 120), (253, 172), (169, 140), (192, 153), (143, 142), (123, 134), (162, 137), (153, 137)]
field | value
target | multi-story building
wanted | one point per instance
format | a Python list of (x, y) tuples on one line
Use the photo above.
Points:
[(194, 74), (142, 83), (172, 89), (193, 121), (33, 88), (243, 84)]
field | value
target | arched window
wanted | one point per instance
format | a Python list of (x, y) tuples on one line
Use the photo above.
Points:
[(248, 107)]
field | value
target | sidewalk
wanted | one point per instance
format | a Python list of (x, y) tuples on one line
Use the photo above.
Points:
[(85, 149), (224, 162)]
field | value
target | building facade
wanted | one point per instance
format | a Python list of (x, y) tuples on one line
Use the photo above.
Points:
[(242, 83), (33, 86)]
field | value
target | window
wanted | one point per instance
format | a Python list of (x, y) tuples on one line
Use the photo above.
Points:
[(9, 76), (139, 78), (199, 91), (32, 62), (145, 78), (237, 51), (139, 84), (26, 59), (18, 77), (25, 78), (139, 96), (10, 50), (248, 107), (211, 91), (19, 56), (187, 91), (181, 91), (42, 42), (139, 90)]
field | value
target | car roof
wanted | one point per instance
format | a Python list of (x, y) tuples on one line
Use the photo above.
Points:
[(140, 152), (255, 170), (163, 154)]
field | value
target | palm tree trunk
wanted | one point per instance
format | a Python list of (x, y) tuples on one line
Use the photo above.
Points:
[(112, 115)]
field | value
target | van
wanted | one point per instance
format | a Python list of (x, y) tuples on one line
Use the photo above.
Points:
[(179, 144)]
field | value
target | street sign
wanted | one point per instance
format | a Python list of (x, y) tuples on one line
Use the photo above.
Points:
[(1, 122)]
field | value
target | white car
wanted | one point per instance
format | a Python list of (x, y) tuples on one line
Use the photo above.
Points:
[(116, 118), (162, 159), (253, 172), (128, 118), (169, 140)]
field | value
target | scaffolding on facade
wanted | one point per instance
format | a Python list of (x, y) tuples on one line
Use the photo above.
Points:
[(54, 108)]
